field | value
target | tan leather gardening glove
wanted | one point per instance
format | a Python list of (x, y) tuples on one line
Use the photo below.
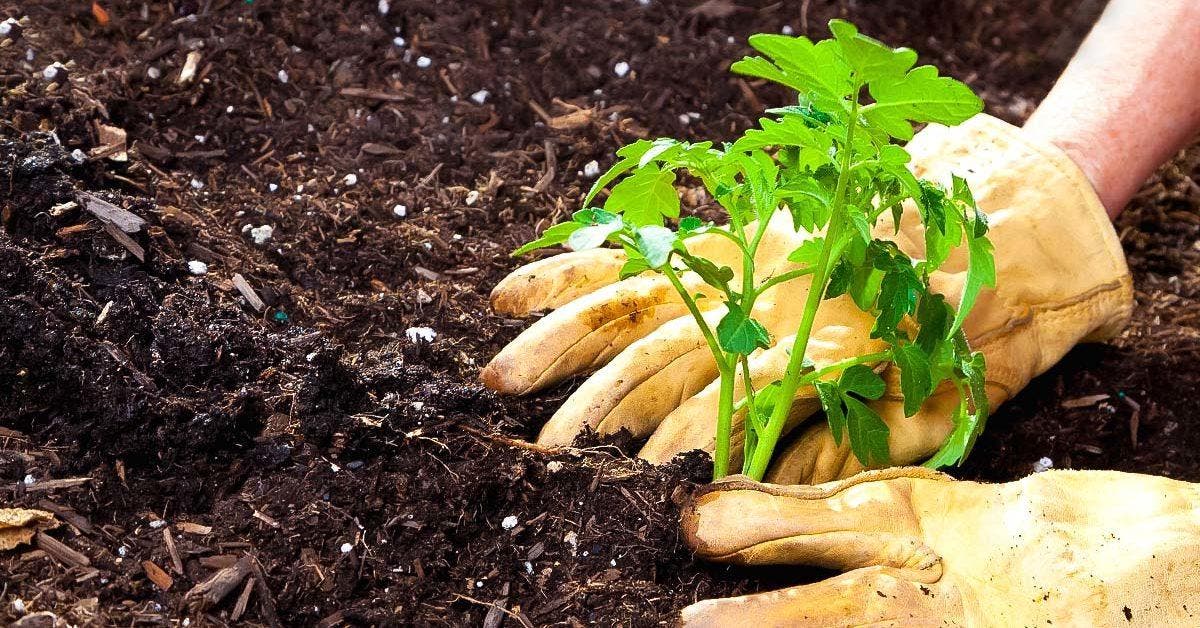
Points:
[(1060, 548), (1061, 279)]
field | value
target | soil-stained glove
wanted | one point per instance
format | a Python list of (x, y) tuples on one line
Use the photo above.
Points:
[(1060, 548), (1060, 273)]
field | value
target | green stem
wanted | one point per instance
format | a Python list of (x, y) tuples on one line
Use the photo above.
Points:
[(842, 365), (725, 402), (688, 301), (750, 422), (791, 377), (724, 427), (788, 276)]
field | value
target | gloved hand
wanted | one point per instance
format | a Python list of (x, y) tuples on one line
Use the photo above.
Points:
[(1061, 279), (1060, 548)]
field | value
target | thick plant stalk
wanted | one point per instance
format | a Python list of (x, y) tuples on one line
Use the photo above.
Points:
[(727, 374), (756, 467)]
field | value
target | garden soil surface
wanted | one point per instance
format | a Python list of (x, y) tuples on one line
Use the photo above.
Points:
[(271, 421)]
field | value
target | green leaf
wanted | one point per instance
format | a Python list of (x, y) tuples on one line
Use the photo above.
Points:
[(808, 201), (761, 173), (713, 275), (831, 401), (645, 197), (859, 221), (915, 382), (661, 149), (898, 295), (764, 401), (981, 272), (933, 317), (790, 130), (919, 96), (868, 433), (864, 286), (811, 69), (690, 225), (556, 234), (814, 117), (739, 333), (943, 230), (975, 371), (961, 193), (893, 155), (655, 243), (596, 234), (871, 59), (809, 253), (633, 266), (953, 450), (839, 279), (862, 381), (630, 154)]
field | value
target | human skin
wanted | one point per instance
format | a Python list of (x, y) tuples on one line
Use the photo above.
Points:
[(1128, 100)]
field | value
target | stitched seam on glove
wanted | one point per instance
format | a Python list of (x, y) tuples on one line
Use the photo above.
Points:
[(1092, 301), (821, 491)]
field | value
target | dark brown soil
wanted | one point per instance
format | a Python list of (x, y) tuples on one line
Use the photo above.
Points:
[(369, 476)]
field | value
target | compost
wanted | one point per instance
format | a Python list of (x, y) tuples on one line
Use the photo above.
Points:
[(245, 255)]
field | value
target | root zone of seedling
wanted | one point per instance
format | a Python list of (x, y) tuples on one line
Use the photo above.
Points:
[(224, 406)]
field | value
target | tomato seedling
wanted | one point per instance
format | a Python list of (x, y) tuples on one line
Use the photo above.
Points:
[(832, 160)]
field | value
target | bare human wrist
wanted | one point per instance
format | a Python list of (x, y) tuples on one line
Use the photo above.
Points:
[(1119, 111)]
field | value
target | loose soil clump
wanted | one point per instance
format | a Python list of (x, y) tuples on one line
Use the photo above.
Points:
[(231, 390)]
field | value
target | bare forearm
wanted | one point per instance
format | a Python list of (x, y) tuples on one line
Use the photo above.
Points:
[(1130, 97)]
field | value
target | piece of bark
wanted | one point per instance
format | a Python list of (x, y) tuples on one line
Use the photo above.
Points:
[(1083, 402), (41, 619), (52, 485), (156, 575), (220, 561), (212, 591), (76, 520), (60, 552), (19, 525), (551, 167), (176, 560), (124, 240), (371, 94), (266, 601), (123, 219), (189, 68), (112, 143), (248, 292), (243, 600), (375, 148), (193, 528)]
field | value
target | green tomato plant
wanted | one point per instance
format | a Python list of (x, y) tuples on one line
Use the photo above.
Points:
[(833, 161)]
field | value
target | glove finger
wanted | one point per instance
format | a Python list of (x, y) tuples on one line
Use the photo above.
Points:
[(864, 521), (658, 373), (814, 457), (841, 331), (584, 334), (872, 596), (640, 386), (555, 281)]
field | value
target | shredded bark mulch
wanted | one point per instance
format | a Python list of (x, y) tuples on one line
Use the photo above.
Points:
[(207, 287)]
